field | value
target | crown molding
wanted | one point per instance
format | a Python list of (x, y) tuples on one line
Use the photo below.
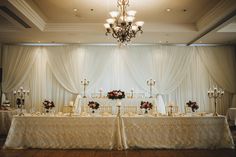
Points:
[(29, 12), (222, 9)]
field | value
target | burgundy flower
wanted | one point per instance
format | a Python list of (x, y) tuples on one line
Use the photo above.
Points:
[(93, 105), (146, 105), (116, 94)]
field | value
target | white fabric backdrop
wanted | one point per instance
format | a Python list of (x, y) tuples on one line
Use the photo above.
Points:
[(181, 73)]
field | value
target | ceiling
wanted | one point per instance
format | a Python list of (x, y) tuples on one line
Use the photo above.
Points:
[(188, 22)]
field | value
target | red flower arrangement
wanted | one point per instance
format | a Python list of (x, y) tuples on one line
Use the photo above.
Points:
[(116, 94), (48, 104), (146, 105), (193, 105), (93, 105)]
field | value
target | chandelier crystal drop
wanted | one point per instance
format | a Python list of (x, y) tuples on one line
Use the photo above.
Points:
[(121, 25)]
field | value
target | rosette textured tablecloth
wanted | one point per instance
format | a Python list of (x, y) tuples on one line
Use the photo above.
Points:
[(119, 132), (231, 115), (5, 120), (176, 132), (62, 132)]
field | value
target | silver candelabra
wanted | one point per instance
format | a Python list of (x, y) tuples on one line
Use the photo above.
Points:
[(85, 83), (215, 94), (20, 94), (151, 83)]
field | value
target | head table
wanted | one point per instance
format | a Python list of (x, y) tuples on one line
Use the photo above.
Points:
[(82, 104), (118, 132)]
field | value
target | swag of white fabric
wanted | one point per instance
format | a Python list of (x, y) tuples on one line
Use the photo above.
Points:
[(181, 73)]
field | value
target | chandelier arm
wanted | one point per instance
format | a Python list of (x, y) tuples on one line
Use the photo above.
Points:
[(114, 35)]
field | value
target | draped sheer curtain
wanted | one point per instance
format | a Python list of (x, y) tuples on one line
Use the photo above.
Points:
[(181, 73)]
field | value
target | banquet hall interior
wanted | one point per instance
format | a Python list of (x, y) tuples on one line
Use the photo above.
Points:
[(117, 78)]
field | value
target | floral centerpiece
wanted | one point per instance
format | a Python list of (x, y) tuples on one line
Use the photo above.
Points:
[(48, 105), (93, 105), (146, 105), (193, 105), (20, 102), (116, 94)]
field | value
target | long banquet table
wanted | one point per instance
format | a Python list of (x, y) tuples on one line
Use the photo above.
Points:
[(119, 132)]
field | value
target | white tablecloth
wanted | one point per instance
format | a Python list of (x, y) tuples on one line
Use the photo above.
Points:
[(5, 120), (231, 115), (62, 132), (119, 132), (83, 103), (176, 132)]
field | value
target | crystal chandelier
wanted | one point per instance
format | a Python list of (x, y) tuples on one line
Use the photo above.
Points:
[(121, 24)]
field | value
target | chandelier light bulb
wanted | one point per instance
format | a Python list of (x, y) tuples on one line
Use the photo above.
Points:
[(139, 23), (106, 25), (131, 13), (129, 19), (110, 21), (114, 14), (134, 28)]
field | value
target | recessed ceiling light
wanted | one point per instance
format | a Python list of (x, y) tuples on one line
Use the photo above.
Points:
[(75, 9), (168, 9), (39, 41)]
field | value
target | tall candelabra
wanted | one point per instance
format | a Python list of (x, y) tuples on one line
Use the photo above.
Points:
[(85, 83), (20, 94), (151, 83), (215, 94)]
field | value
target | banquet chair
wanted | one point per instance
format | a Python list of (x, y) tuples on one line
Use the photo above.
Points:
[(106, 108), (172, 109), (129, 109), (67, 109)]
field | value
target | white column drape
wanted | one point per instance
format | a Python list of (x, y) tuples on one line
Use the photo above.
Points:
[(181, 73), (220, 63), (17, 63)]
